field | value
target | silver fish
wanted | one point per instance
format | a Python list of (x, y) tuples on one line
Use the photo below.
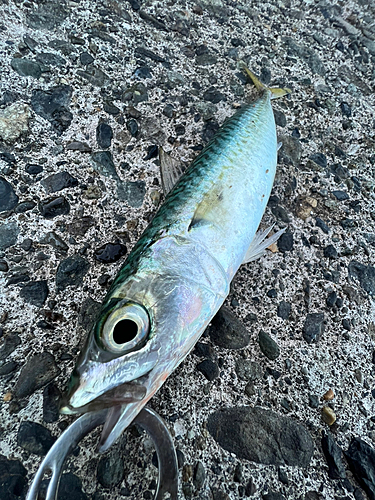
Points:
[(178, 274)]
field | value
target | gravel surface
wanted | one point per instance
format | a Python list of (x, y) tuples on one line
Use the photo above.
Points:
[(284, 407)]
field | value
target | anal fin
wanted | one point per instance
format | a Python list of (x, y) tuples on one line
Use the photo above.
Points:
[(260, 243)]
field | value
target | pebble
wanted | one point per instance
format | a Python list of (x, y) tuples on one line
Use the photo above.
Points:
[(204, 350), (268, 346), (70, 488), (285, 242), (86, 58), (39, 370), (53, 207), (331, 299), (330, 252), (328, 415), (8, 235), (364, 274), (51, 403), (261, 436), (79, 227), (79, 146), (104, 135), (46, 16), (361, 459), (88, 313), (346, 110), (228, 331), (291, 150), (34, 438), (209, 369), (322, 225), (329, 395), (306, 54), (95, 76), (314, 327), (248, 370), (55, 241), (71, 272), (8, 368), (334, 457), (280, 118), (283, 309), (340, 195), (26, 67), (110, 252), (10, 344), (4, 266), (132, 126), (13, 482), (199, 475), (59, 181), (8, 198), (52, 105), (33, 169), (24, 206), (111, 469), (35, 292), (50, 59), (14, 122), (132, 192)]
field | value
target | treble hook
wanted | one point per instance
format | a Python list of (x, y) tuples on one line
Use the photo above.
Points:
[(147, 419)]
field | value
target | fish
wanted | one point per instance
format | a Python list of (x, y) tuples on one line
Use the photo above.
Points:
[(179, 272)]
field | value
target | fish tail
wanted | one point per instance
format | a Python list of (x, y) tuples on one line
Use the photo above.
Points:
[(275, 92)]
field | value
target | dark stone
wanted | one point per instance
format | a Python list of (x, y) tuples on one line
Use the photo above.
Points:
[(313, 327), (361, 460), (330, 252), (86, 58), (51, 403), (11, 342), (179, 129), (152, 152), (340, 195), (268, 346), (280, 118), (55, 241), (38, 371), (8, 368), (168, 111), (26, 67), (272, 294), (137, 93), (209, 130), (199, 475), (306, 54), (283, 309), (285, 242), (59, 181), (71, 271), (8, 198), (95, 76), (320, 159), (35, 292), (104, 135), (261, 436), (52, 106), (111, 469), (34, 438), (334, 456), (79, 146), (323, 226), (47, 15), (52, 207), (8, 235), (291, 150), (17, 278), (219, 494), (70, 488), (228, 331), (132, 192), (132, 126), (209, 369), (203, 351), (346, 110), (110, 252), (206, 60), (4, 266), (50, 59), (212, 95), (104, 164), (79, 227), (24, 207), (364, 274), (250, 488), (13, 481), (33, 169), (280, 213), (143, 72), (111, 109), (141, 51), (273, 495), (248, 370), (331, 299)]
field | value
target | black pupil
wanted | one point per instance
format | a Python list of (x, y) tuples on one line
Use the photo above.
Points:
[(125, 331)]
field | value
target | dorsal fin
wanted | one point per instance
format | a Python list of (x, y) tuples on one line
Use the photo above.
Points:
[(170, 169)]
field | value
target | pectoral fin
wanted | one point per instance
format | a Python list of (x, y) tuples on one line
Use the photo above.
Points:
[(260, 243), (170, 170)]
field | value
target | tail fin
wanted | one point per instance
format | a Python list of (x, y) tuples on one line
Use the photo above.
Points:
[(275, 93)]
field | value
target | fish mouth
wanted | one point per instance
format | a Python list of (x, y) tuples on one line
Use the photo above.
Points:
[(129, 392)]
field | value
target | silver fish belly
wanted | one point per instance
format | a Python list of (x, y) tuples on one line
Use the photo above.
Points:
[(178, 274)]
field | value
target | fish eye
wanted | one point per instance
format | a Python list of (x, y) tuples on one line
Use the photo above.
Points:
[(126, 328)]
